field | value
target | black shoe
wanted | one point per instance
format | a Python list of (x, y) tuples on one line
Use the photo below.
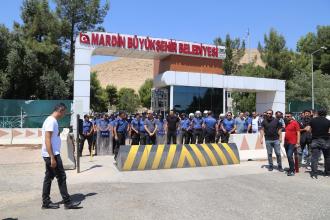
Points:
[(270, 168), (290, 174), (314, 176), (71, 205), (280, 169), (50, 206)]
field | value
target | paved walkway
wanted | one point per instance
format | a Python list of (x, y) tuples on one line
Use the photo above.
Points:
[(245, 191)]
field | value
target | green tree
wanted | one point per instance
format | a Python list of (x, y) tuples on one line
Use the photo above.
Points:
[(112, 94), (145, 93), (98, 96), (235, 49), (79, 16), (312, 42), (276, 55), (128, 100)]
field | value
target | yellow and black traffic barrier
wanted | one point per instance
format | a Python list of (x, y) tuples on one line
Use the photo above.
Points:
[(151, 157)]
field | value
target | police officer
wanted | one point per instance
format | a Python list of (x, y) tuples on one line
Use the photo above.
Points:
[(95, 123), (142, 130), (87, 134), (204, 129), (120, 131), (189, 139), (184, 125), (228, 127), (161, 129), (219, 130), (197, 124), (135, 129), (150, 126), (210, 128)]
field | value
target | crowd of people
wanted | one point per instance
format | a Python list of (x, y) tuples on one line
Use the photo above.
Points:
[(196, 128), (309, 133)]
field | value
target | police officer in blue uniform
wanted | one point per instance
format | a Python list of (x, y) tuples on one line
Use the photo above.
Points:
[(87, 134), (210, 124), (150, 126), (135, 129), (197, 123), (228, 127), (120, 131), (161, 129), (184, 125), (142, 130)]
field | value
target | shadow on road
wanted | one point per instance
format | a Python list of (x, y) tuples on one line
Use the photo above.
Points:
[(92, 167), (79, 197)]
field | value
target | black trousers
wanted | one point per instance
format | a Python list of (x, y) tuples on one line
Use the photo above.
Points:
[(143, 138), (197, 135), (210, 136), (225, 137), (151, 139), (135, 138), (186, 137), (171, 134), (120, 141), (60, 175), (317, 146), (89, 139)]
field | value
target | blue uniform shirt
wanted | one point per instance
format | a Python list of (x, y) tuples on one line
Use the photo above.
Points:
[(87, 126), (197, 123), (160, 127), (103, 124), (136, 124), (184, 124), (141, 129), (210, 123), (228, 124), (121, 125), (248, 121), (151, 124)]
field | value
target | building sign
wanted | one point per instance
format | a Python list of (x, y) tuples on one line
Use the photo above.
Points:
[(148, 44)]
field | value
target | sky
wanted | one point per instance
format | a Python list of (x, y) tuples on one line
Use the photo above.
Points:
[(203, 21)]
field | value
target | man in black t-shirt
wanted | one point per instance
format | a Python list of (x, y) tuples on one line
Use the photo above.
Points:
[(172, 123), (320, 128), (271, 128)]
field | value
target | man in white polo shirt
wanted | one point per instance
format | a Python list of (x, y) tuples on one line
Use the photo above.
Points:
[(51, 146)]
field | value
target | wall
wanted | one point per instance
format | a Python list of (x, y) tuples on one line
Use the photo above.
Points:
[(188, 64)]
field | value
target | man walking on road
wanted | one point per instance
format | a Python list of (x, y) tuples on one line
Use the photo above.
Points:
[(320, 128), (51, 147), (291, 140), (271, 128)]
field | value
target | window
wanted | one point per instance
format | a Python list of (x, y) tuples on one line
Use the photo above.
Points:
[(190, 99)]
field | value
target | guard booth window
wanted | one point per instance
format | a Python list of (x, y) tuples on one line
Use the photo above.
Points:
[(190, 99)]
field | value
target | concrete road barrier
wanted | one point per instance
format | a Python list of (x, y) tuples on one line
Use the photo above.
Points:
[(150, 157), (6, 136), (250, 147), (26, 136)]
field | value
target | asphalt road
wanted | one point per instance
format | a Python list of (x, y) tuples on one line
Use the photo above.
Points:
[(245, 191)]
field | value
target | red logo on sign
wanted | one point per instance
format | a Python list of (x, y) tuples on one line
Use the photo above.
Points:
[(84, 39)]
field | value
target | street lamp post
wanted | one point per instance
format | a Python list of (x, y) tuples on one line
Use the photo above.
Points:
[(321, 48)]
